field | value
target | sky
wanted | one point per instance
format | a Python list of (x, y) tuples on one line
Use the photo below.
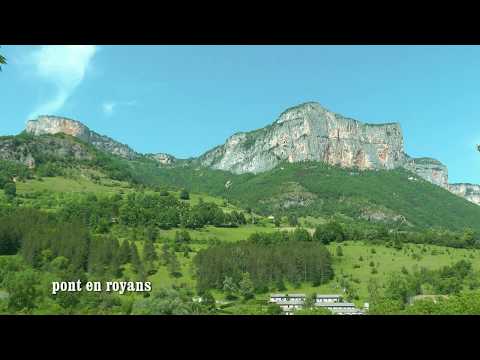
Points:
[(184, 100)]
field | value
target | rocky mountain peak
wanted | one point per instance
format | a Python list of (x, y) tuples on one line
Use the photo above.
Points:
[(49, 124), (300, 111), (311, 132)]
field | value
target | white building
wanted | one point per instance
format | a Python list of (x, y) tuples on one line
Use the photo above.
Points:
[(283, 298), (291, 302), (340, 308), (328, 298)]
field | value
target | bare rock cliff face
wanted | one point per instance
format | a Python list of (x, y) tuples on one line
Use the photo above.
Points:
[(162, 158), (429, 169), (55, 125), (310, 132), (470, 192)]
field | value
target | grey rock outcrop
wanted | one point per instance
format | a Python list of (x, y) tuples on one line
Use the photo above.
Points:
[(310, 132), (429, 169), (162, 158), (54, 125), (471, 192)]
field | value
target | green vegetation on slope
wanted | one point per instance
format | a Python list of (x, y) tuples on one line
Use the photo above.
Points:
[(318, 190)]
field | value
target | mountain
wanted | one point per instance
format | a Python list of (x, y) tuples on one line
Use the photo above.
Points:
[(471, 192), (54, 125), (309, 132), (34, 150)]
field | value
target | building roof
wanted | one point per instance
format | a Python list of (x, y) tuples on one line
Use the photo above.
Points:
[(289, 303), (321, 296), (342, 311), (278, 295), (335, 304)]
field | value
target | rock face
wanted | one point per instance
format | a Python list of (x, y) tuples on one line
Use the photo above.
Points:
[(429, 169), (307, 132), (162, 158), (310, 132), (55, 125), (470, 192)]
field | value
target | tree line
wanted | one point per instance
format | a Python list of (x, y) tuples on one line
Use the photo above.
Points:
[(266, 264)]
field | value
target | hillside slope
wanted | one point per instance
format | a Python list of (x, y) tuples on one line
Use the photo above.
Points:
[(316, 189)]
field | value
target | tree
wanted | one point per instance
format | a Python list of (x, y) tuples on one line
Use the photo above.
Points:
[(165, 255), (300, 234), (174, 265), (135, 258), (208, 300), (22, 289), (310, 301), (339, 251), (152, 233), (246, 287), (124, 253), (373, 289), (292, 220), (3, 61), (274, 309), (184, 195), (276, 221), (149, 253), (229, 288), (10, 189), (330, 232)]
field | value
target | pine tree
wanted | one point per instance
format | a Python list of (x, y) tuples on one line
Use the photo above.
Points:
[(246, 286), (165, 256), (184, 195), (149, 253), (174, 266), (152, 233), (229, 288), (339, 251), (135, 258), (124, 253)]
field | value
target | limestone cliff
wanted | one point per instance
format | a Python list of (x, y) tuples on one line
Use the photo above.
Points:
[(55, 125), (471, 192), (162, 158), (429, 169), (310, 132)]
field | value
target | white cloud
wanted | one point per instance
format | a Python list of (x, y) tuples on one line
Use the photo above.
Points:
[(64, 66), (108, 107)]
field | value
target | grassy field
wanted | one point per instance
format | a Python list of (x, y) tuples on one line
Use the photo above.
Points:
[(65, 185), (386, 260)]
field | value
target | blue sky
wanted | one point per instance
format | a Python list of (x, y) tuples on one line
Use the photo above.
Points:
[(185, 100)]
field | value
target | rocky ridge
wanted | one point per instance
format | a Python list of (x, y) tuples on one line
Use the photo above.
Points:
[(307, 132), (54, 125), (311, 132)]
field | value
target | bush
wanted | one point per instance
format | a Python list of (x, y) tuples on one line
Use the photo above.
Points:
[(184, 195), (10, 189)]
